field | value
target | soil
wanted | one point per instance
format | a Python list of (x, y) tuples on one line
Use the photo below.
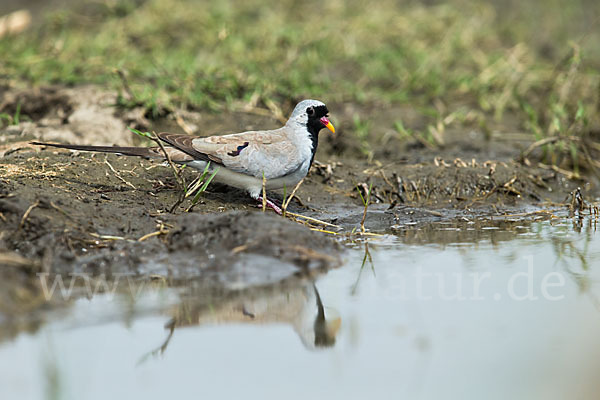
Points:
[(64, 212)]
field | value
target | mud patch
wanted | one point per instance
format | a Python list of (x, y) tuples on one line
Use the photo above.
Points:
[(193, 246), (105, 217), (67, 212), (83, 115), (217, 253)]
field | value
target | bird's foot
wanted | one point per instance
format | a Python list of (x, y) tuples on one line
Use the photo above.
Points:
[(270, 204)]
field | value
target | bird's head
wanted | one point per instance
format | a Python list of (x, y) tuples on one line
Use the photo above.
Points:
[(313, 115)]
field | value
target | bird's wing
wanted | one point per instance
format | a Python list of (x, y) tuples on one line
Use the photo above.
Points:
[(252, 153), (184, 143)]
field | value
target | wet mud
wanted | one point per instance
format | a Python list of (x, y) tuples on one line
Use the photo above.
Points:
[(65, 212)]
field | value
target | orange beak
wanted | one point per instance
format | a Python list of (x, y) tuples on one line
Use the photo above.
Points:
[(327, 124)]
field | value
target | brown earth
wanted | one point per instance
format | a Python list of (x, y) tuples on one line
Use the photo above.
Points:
[(66, 212)]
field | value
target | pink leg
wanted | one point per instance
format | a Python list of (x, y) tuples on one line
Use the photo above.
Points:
[(270, 204)]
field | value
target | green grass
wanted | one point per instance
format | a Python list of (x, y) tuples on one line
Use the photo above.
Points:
[(361, 129), (200, 184), (15, 118), (536, 63), (196, 188)]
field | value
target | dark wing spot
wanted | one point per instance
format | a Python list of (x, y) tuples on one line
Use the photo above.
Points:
[(236, 152)]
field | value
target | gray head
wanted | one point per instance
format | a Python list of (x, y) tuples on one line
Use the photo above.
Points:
[(312, 114)]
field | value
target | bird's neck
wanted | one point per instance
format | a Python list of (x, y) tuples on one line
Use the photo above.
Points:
[(310, 130), (313, 134)]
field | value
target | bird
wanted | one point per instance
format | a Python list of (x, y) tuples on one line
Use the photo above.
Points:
[(299, 306), (282, 156)]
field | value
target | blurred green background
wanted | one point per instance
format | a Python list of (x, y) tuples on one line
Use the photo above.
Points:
[(530, 65)]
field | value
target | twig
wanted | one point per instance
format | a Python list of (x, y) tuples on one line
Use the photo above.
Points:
[(161, 230), (178, 177), (366, 203), (285, 204), (318, 221), (264, 193), (119, 175), (151, 234), (324, 231), (27, 212), (527, 214), (347, 234), (372, 234), (109, 237), (60, 210), (240, 248), (546, 141), (568, 174)]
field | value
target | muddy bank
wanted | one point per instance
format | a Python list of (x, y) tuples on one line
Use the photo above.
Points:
[(43, 237), (62, 209), (65, 212), (223, 256)]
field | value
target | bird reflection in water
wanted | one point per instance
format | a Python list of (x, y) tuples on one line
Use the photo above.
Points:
[(298, 305)]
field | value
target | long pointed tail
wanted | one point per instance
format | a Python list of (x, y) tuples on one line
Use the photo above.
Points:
[(147, 152)]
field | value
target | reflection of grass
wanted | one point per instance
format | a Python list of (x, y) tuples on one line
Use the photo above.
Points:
[(538, 63), (52, 376), (576, 255), (366, 258), (568, 251)]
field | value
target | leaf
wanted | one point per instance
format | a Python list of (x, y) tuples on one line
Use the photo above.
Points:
[(143, 134), (209, 180), (205, 184)]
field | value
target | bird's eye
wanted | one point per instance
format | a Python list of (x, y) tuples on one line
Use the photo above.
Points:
[(310, 111)]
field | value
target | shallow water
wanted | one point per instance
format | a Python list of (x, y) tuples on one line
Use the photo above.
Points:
[(469, 309)]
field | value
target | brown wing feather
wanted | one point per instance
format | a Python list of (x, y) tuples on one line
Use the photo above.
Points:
[(184, 143)]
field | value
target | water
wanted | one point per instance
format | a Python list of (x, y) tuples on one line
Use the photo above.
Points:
[(493, 309)]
